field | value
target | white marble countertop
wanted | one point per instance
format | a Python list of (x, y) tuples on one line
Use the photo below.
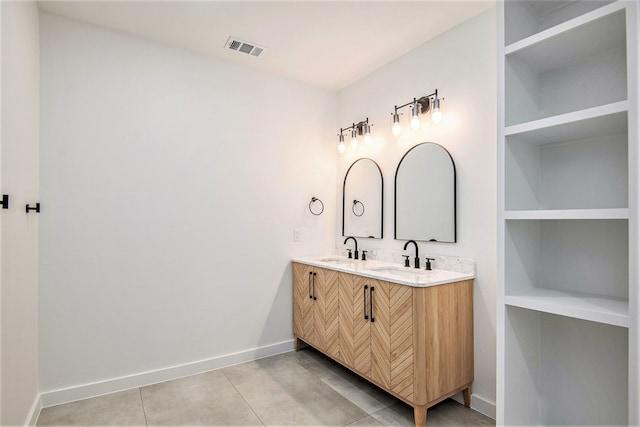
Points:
[(385, 271)]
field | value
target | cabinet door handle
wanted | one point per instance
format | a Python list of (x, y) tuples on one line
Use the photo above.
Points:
[(364, 303), (314, 287), (310, 296), (371, 303)]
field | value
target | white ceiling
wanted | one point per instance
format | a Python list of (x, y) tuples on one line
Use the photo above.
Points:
[(328, 44)]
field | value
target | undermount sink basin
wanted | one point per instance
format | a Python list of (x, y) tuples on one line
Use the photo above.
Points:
[(401, 271)]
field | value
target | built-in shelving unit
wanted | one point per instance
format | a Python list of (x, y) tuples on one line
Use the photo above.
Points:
[(563, 371), (568, 191)]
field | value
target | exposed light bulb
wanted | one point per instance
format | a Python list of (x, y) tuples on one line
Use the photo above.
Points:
[(367, 133), (341, 146), (415, 112), (415, 122), (354, 139), (396, 129), (436, 114)]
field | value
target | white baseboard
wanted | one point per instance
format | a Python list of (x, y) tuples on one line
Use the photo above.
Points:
[(483, 406), (71, 394), (479, 404), (34, 412)]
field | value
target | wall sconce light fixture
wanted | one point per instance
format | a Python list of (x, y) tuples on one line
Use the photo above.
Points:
[(362, 128), (419, 106)]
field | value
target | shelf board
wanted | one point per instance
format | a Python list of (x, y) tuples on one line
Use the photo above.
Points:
[(586, 36), (606, 119), (595, 308), (621, 213)]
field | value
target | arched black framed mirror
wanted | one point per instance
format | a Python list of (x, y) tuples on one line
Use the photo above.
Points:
[(362, 198), (425, 195)]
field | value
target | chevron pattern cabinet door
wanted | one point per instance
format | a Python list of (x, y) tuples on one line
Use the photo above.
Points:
[(361, 332), (345, 319), (381, 333), (401, 328), (317, 337), (302, 304), (330, 283)]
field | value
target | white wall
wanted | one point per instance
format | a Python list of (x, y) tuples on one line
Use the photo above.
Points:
[(171, 184), (461, 64), (19, 154)]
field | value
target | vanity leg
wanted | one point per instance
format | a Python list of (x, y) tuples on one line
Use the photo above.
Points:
[(298, 344), (466, 395), (420, 415)]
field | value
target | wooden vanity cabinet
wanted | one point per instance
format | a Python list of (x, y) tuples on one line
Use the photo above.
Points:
[(443, 342), (315, 307), (303, 305), (414, 342), (376, 331)]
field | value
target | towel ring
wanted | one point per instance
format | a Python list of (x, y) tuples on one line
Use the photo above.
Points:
[(353, 207), (313, 200)]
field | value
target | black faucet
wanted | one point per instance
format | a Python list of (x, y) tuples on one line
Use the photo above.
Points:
[(355, 252), (417, 259)]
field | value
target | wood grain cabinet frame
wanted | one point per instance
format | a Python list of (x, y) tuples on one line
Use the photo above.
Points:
[(414, 342)]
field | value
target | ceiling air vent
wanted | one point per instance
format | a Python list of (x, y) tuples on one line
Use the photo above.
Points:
[(238, 45)]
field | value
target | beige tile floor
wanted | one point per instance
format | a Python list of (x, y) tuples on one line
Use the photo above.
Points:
[(296, 389)]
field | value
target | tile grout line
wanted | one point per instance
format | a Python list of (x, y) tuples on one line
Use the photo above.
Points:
[(240, 394), (146, 423)]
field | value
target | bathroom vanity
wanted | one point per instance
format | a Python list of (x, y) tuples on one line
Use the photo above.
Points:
[(406, 330)]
